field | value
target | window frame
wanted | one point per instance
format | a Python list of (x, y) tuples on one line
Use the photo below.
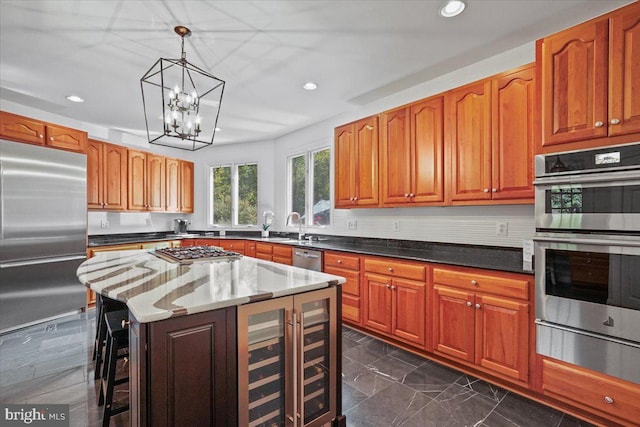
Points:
[(235, 188), (308, 188)]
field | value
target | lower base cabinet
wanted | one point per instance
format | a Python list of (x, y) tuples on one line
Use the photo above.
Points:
[(267, 363)]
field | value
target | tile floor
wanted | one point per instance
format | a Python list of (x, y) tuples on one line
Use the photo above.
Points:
[(382, 385)]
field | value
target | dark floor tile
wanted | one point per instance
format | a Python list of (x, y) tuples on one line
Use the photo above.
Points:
[(408, 357), (569, 421), (516, 411), (21, 392), (354, 334), (389, 407), (351, 397), (491, 391), (456, 406), (431, 378), (348, 343), (390, 368), (366, 381), (369, 351)]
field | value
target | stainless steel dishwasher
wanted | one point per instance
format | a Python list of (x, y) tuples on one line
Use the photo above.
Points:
[(305, 258)]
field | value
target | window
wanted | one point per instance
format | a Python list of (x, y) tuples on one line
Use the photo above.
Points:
[(309, 187), (234, 195)]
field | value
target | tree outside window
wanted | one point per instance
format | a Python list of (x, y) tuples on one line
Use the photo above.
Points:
[(234, 195), (309, 186)]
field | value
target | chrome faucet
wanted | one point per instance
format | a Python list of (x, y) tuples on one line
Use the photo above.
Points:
[(296, 215)]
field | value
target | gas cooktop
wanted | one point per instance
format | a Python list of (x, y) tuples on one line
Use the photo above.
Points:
[(190, 254)]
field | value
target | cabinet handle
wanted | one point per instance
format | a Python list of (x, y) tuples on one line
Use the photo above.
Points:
[(106, 204), (50, 138), (474, 283), (387, 286), (390, 270), (406, 194), (393, 287), (411, 194), (355, 199), (125, 324), (494, 190), (615, 121), (339, 261), (598, 124), (608, 400), (469, 304), (41, 136), (477, 305), (294, 350), (486, 190)]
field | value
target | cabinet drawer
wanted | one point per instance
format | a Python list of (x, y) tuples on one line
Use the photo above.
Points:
[(282, 260), (391, 268), (503, 286), (339, 260), (581, 387), (266, 257), (351, 308), (264, 248), (207, 242), (352, 285), (232, 245), (282, 251)]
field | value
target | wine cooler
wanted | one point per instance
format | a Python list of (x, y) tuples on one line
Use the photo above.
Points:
[(287, 361)]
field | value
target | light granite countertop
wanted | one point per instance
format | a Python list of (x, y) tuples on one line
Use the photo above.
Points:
[(155, 289)]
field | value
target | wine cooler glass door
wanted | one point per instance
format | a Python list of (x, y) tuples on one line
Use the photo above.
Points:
[(317, 357), (263, 357)]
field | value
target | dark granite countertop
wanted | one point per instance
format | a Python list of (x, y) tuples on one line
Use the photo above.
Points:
[(486, 257)]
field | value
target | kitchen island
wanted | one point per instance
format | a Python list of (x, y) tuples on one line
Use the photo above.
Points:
[(226, 342)]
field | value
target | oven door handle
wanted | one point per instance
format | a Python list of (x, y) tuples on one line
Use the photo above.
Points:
[(588, 241), (629, 177)]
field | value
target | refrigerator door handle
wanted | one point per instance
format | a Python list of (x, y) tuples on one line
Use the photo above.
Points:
[(41, 261), (1, 201)]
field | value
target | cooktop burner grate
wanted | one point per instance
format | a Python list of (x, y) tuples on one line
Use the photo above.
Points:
[(190, 254)]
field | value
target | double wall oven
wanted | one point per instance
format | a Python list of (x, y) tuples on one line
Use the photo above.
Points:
[(587, 258)]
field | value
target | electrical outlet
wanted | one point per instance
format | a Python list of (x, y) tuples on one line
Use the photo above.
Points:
[(502, 228), (396, 225), (148, 222), (104, 224), (352, 224)]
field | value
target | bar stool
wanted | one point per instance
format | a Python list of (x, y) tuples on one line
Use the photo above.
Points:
[(117, 339), (103, 305)]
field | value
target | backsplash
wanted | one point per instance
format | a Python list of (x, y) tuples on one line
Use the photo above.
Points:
[(130, 222)]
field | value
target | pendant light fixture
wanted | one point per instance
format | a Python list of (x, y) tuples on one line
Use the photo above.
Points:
[(181, 101)]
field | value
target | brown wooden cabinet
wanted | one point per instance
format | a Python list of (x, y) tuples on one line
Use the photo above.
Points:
[(183, 370), (491, 139), (25, 129), (232, 245), (146, 189), (356, 164), (411, 154), (483, 320), (589, 78), (186, 186), (283, 254), (106, 176), (395, 299), (347, 266), (594, 392), (155, 182), (173, 185)]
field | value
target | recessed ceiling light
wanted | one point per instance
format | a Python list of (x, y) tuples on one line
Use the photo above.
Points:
[(310, 86), (453, 8), (74, 98)]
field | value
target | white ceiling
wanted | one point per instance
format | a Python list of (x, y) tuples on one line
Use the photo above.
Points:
[(356, 51)]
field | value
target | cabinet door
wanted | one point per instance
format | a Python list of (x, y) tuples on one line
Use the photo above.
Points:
[(366, 132), (345, 166), (624, 72), (23, 129), (95, 175), (350, 293), (409, 301), (395, 157), (115, 177), (513, 135), (378, 302), (186, 186), (502, 336), (66, 138), (172, 188), (470, 142), (137, 188), (427, 140), (453, 323), (190, 370), (155, 182), (574, 84)]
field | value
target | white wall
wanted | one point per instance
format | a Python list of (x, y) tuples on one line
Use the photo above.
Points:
[(472, 224)]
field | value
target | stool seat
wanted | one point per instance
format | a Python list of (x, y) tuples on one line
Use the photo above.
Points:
[(117, 333)]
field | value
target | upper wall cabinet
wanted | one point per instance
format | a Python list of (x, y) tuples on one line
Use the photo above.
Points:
[(186, 186), (411, 154), (591, 82), (146, 181), (356, 164), (24, 129), (106, 176), (172, 186), (490, 139)]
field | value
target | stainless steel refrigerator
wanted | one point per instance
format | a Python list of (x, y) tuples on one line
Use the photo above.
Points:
[(43, 233)]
